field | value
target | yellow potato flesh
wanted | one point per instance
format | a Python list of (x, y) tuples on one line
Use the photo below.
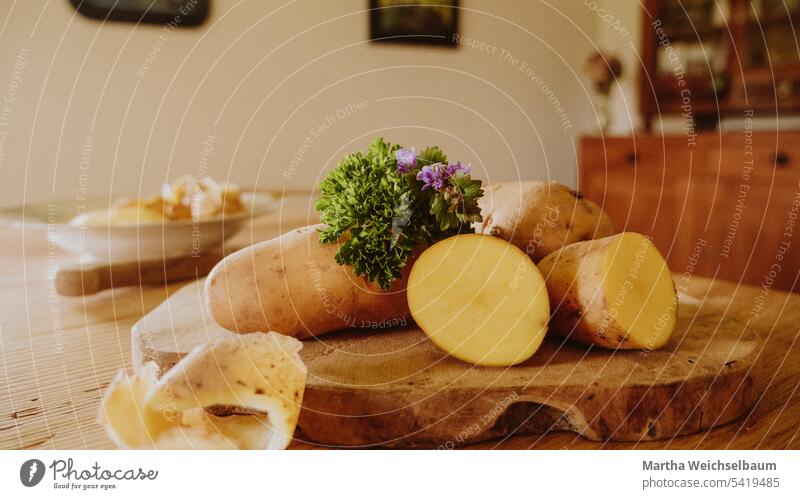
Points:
[(480, 299), (639, 291)]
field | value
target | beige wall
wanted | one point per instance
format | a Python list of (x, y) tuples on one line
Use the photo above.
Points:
[(116, 109)]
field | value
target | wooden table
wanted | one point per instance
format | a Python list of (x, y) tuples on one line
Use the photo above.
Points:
[(58, 354)]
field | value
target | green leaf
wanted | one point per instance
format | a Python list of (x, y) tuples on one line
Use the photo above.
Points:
[(431, 155), (380, 216)]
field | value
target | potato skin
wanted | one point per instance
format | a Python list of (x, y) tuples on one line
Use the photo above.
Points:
[(540, 217), (293, 285), (574, 277)]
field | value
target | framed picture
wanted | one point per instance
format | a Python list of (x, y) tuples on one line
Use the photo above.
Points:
[(414, 21), (173, 12)]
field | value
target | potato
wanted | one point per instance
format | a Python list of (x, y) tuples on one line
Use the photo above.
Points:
[(259, 377), (540, 217), (615, 292), (480, 299), (293, 285)]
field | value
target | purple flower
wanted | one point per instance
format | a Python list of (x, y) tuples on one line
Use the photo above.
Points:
[(456, 167), (406, 159), (434, 176)]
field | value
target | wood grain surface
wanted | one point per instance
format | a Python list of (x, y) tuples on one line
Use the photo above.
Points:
[(76, 278), (57, 354), (394, 388)]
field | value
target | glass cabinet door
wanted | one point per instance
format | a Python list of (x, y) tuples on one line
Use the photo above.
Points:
[(772, 32), (698, 37)]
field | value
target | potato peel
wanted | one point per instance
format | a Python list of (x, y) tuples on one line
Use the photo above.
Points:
[(260, 376)]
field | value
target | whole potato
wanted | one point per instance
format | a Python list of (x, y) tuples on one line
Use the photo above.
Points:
[(540, 217), (293, 285)]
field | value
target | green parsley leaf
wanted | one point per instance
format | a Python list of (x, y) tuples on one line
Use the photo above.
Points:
[(381, 216)]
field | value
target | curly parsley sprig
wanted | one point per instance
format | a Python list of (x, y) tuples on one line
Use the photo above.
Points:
[(387, 202)]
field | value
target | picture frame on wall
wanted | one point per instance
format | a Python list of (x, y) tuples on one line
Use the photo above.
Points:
[(174, 12), (429, 22)]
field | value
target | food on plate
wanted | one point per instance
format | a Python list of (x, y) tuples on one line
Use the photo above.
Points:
[(257, 379), (540, 217), (183, 199), (480, 299), (293, 285), (382, 206), (615, 292)]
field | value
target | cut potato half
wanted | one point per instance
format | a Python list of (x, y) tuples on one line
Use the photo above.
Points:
[(615, 292), (480, 299)]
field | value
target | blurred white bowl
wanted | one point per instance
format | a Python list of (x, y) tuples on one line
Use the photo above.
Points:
[(141, 241)]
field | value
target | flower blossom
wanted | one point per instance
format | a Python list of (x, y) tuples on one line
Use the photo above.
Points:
[(406, 160), (434, 176)]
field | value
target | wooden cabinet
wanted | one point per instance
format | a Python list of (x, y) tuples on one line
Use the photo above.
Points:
[(715, 57), (727, 207), (638, 184)]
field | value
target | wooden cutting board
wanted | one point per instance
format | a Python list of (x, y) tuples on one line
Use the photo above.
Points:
[(394, 388)]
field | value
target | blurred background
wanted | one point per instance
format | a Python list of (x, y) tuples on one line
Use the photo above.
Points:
[(678, 117), (142, 102)]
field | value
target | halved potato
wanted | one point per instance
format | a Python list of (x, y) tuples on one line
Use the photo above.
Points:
[(480, 299), (615, 292)]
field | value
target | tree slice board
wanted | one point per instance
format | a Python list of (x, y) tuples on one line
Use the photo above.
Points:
[(394, 388)]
